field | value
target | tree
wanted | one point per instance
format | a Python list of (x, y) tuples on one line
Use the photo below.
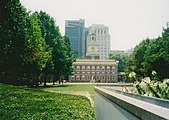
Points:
[(158, 55), (37, 55), (136, 61), (23, 51), (122, 58), (164, 52), (69, 58), (62, 58), (13, 28), (31, 45), (149, 55), (52, 36)]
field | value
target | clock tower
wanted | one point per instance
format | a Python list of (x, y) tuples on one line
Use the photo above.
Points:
[(92, 47)]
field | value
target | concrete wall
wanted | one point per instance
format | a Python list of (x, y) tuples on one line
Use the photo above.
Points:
[(112, 105), (107, 110)]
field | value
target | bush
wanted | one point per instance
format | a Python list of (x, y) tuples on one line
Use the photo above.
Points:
[(153, 87)]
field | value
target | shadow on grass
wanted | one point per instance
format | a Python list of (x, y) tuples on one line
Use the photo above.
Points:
[(64, 85), (56, 85)]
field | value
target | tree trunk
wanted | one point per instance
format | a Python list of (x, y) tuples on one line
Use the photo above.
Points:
[(49, 78), (45, 77), (36, 82)]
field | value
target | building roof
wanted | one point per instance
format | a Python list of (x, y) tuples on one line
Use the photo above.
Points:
[(95, 62), (92, 34), (98, 25)]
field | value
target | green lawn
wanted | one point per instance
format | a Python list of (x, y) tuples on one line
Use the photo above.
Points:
[(73, 88), (25, 103)]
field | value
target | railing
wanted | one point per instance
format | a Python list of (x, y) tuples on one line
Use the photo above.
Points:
[(116, 105)]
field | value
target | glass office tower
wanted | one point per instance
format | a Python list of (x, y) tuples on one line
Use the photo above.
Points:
[(75, 30)]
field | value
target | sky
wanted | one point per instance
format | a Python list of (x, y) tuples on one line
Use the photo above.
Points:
[(129, 21)]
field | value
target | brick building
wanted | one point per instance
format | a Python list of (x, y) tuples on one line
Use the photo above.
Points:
[(94, 71)]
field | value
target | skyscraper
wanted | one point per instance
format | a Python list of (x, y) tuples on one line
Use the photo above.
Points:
[(86, 36), (75, 30), (99, 34)]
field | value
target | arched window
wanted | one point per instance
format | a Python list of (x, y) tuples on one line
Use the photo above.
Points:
[(88, 67), (78, 68), (93, 68), (77, 77), (108, 68), (83, 67), (72, 77)]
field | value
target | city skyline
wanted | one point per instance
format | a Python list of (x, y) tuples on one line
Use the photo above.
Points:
[(129, 21)]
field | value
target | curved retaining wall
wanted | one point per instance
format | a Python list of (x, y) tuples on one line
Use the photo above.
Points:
[(114, 105)]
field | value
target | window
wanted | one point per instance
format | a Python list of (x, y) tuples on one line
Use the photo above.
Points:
[(93, 68), (108, 68), (98, 68), (83, 67), (113, 68), (72, 77), (92, 57), (104, 31), (78, 77), (90, 38), (83, 77), (78, 67), (112, 77), (88, 67), (108, 77), (103, 68)]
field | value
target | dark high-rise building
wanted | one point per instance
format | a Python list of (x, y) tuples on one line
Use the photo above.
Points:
[(86, 36), (75, 30)]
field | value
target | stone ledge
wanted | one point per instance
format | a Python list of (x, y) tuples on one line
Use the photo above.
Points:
[(152, 100), (138, 108)]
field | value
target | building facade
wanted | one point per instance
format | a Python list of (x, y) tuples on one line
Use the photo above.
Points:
[(102, 38), (94, 71), (75, 30)]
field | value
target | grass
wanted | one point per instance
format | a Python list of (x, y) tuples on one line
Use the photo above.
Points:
[(73, 88), (25, 103)]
